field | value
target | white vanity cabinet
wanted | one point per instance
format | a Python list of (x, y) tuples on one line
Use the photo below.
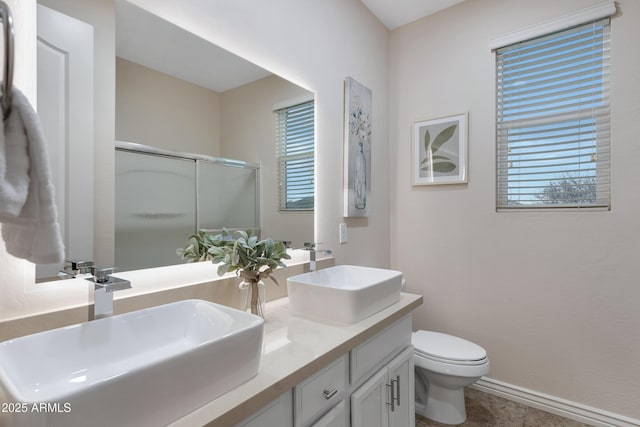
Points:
[(386, 399), (369, 386), (373, 384)]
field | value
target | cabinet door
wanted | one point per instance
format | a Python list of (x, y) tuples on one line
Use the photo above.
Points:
[(278, 413), (336, 417), (401, 378), (369, 402)]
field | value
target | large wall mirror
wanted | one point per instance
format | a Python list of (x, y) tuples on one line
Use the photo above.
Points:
[(175, 94)]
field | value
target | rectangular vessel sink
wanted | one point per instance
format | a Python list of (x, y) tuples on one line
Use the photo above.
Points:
[(144, 368), (344, 293)]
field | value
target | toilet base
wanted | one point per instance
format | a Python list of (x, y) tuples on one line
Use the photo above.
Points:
[(444, 405)]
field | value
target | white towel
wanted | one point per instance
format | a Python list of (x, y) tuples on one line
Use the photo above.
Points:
[(27, 205)]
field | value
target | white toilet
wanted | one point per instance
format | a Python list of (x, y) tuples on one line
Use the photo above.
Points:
[(444, 365)]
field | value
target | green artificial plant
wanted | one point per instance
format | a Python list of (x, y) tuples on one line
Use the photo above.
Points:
[(250, 258)]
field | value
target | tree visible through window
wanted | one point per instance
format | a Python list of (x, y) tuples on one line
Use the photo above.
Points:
[(295, 151), (553, 126)]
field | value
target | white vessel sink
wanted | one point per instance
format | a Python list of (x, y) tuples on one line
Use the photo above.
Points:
[(144, 368), (344, 293)]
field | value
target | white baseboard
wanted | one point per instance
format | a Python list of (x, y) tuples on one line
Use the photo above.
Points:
[(555, 405)]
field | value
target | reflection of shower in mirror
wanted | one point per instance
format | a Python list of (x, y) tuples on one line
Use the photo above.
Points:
[(163, 197)]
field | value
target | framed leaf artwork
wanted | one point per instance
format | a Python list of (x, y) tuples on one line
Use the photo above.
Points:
[(439, 151)]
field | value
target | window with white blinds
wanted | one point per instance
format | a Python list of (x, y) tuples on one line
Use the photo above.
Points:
[(553, 127), (295, 152)]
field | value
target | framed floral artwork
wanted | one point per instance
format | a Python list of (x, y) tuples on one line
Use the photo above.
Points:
[(439, 151), (357, 149)]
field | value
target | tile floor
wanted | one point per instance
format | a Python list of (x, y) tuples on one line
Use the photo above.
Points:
[(485, 410)]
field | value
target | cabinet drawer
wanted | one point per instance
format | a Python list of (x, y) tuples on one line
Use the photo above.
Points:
[(379, 349), (321, 391)]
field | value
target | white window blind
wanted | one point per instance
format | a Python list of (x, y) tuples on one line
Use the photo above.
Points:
[(553, 126), (295, 152)]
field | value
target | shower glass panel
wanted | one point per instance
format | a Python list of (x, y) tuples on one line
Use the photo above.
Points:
[(155, 209), (227, 196)]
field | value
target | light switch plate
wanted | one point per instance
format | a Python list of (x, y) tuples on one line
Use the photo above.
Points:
[(343, 233)]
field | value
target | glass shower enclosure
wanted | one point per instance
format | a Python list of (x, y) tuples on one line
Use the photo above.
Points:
[(163, 197)]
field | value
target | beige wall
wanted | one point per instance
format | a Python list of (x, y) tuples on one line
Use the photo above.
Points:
[(254, 140), (153, 108), (552, 296)]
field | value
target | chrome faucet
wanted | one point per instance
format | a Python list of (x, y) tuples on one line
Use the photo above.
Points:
[(312, 248), (104, 287)]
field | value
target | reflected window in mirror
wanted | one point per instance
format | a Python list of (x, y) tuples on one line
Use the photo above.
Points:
[(295, 144)]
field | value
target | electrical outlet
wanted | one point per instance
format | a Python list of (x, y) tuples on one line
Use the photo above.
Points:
[(343, 233)]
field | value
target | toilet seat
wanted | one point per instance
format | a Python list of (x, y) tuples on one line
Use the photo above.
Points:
[(448, 349)]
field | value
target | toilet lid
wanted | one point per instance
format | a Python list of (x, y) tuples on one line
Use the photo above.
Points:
[(447, 347)]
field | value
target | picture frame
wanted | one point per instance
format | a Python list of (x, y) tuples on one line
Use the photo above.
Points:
[(357, 149), (439, 151)]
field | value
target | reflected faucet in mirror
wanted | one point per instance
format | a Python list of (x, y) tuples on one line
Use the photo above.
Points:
[(73, 268)]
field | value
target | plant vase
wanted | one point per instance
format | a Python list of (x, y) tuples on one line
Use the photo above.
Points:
[(252, 297)]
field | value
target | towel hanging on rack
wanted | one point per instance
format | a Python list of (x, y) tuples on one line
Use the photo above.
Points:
[(27, 206), (34, 234)]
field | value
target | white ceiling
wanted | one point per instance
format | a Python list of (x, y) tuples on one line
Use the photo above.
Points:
[(396, 13), (145, 39)]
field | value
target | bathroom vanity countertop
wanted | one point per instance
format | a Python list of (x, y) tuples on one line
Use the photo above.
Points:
[(294, 349)]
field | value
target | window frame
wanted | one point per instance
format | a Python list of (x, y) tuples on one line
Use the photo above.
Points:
[(600, 115)]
